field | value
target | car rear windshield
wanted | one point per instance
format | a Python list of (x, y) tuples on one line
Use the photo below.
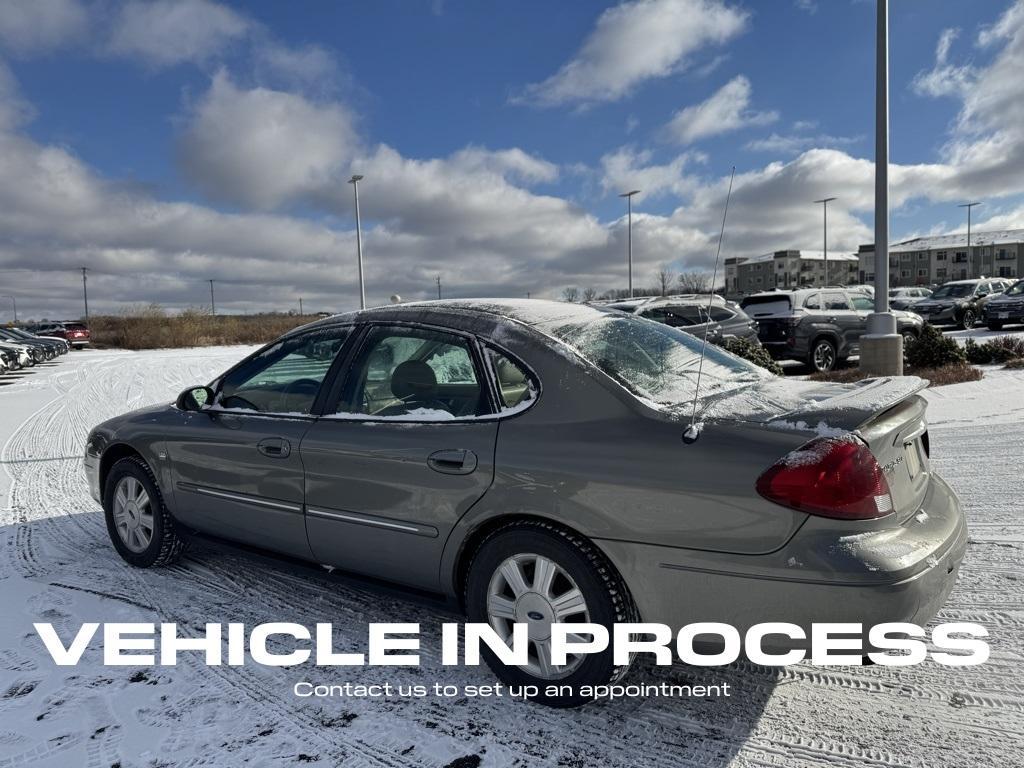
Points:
[(954, 291), (759, 306), (655, 362)]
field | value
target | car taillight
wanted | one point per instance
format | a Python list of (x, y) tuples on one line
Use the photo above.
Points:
[(829, 477)]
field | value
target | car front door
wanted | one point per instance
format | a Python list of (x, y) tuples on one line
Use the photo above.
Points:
[(405, 451), (237, 468)]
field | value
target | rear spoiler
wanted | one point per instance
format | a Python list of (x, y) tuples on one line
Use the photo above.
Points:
[(855, 407)]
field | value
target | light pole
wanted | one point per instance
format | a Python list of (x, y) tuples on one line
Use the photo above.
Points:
[(438, 286), (300, 306), (213, 304), (882, 347), (968, 206), (824, 209), (14, 302), (85, 293), (354, 181), (629, 235)]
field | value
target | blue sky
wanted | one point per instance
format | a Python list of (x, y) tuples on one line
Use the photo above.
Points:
[(185, 140)]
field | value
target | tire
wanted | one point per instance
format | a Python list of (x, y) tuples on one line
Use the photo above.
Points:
[(577, 563), (908, 337), (823, 357), (994, 326), (968, 319), (164, 544)]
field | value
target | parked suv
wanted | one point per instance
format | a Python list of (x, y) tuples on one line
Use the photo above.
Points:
[(818, 326), (1005, 308), (960, 302), (903, 298), (694, 313), (74, 333)]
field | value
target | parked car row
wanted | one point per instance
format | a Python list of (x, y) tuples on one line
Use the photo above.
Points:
[(961, 302), (20, 348), (696, 314)]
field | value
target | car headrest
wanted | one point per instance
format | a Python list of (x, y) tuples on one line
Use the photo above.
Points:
[(414, 379)]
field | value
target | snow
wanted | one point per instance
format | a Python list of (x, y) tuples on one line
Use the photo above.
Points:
[(416, 414), (998, 237), (56, 565)]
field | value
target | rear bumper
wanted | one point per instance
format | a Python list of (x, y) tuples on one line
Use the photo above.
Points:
[(995, 314), (899, 574)]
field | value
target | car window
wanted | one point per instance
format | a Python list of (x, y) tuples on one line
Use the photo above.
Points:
[(516, 388), (761, 306), (413, 374), (813, 301), (835, 300), (653, 361), (953, 291), (284, 377), (1016, 289), (862, 302), (721, 314)]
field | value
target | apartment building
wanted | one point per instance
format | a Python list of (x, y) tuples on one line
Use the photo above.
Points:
[(787, 269), (930, 260)]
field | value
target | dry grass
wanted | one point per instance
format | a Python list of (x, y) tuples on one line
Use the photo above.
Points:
[(939, 377), (150, 327)]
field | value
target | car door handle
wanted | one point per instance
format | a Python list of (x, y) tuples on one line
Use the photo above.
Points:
[(274, 447), (452, 461)]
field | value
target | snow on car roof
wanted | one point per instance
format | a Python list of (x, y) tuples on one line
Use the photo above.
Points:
[(528, 311)]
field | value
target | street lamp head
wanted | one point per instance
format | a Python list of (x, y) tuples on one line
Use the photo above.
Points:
[(355, 177), (968, 205), (826, 200), (630, 194)]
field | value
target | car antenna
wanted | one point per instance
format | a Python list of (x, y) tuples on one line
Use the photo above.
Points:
[(693, 431)]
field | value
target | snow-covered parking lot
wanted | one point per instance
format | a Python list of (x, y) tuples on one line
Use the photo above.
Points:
[(56, 565)]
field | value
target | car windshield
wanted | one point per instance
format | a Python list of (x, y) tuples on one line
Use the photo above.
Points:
[(655, 362), (954, 291), (1015, 290)]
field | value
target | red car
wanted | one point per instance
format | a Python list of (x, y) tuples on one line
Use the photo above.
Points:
[(74, 333)]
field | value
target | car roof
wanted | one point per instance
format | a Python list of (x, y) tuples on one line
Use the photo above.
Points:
[(526, 311)]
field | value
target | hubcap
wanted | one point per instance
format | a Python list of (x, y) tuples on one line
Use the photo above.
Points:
[(968, 319), (824, 357), (534, 590), (133, 514)]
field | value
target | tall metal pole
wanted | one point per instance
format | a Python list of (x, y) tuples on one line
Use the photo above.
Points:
[(629, 235), (439, 286), (968, 206), (14, 302), (824, 207), (300, 306), (354, 181), (882, 346), (85, 293), (213, 304)]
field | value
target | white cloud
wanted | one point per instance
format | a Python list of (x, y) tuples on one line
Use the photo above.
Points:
[(627, 168), (791, 144), (724, 111), (168, 32), (34, 26), (634, 42), (810, 6), (299, 66), (263, 147), (944, 79)]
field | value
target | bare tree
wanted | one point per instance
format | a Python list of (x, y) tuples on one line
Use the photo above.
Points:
[(572, 294), (695, 282), (665, 278), (589, 294)]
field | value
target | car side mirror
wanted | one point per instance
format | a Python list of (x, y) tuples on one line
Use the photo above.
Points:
[(194, 399)]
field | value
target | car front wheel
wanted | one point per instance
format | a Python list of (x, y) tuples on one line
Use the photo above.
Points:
[(968, 319), (823, 356), (140, 527), (537, 574)]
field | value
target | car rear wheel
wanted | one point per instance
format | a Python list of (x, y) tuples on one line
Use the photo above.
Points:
[(537, 573), (140, 527), (823, 356), (968, 320), (908, 337)]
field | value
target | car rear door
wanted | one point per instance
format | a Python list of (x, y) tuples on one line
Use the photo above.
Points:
[(839, 312), (236, 466), (403, 450)]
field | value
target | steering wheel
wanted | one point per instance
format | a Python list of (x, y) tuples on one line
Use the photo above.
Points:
[(302, 387), (234, 401)]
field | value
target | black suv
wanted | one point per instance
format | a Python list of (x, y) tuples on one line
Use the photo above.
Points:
[(1005, 308), (960, 302), (694, 313), (817, 326)]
